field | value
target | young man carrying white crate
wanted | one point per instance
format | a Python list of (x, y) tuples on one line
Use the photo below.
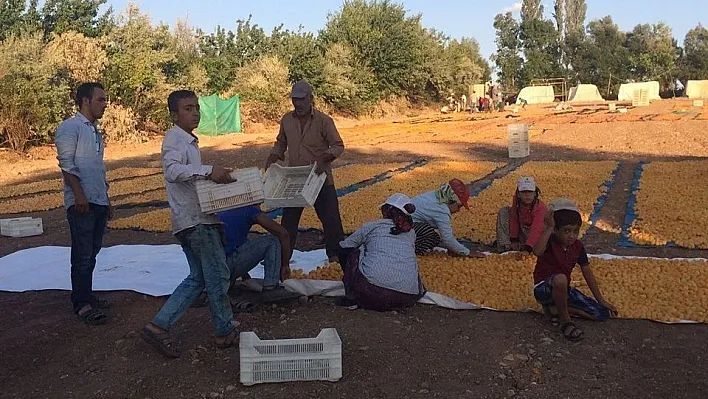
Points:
[(310, 136), (198, 233)]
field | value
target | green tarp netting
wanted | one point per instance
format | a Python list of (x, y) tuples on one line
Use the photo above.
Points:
[(219, 116)]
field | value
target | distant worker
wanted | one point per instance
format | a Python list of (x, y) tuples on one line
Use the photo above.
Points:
[(463, 99), (679, 89)]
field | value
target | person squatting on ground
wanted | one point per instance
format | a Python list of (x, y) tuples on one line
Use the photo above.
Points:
[(199, 234), (432, 220), (243, 255), (379, 261), (558, 250), (309, 136), (80, 153), (520, 225)]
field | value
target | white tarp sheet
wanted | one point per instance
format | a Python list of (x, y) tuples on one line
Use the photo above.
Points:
[(157, 270), (697, 89), (584, 93), (149, 269), (536, 95), (627, 89)]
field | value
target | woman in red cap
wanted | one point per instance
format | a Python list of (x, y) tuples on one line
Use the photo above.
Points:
[(432, 220)]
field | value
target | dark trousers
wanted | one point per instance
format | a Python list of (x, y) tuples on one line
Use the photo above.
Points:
[(327, 208), (86, 240)]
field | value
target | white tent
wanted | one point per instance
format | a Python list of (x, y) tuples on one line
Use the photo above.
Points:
[(627, 89), (536, 95), (584, 93), (697, 89)]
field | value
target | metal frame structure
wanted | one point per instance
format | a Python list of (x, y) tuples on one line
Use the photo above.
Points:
[(561, 82)]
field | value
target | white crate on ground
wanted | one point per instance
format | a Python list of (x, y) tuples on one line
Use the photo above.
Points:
[(246, 190), (292, 187), (640, 98), (21, 227), (281, 360), (518, 140)]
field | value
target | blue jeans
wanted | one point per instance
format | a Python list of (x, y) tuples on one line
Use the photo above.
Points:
[(251, 253), (87, 231), (543, 293), (207, 269)]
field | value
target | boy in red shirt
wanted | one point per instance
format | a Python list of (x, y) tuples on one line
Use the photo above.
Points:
[(558, 251)]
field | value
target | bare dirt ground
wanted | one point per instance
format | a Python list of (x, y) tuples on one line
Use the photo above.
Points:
[(420, 353)]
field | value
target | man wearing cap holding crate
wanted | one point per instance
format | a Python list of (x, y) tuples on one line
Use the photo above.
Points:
[(310, 136)]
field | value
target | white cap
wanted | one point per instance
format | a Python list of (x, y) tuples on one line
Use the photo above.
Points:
[(399, 201), (526, 184), (560, 204)]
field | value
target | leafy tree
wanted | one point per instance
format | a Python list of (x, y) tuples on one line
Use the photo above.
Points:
[(138, 56), (652, 53), (34, 100), (694, 63), (507, 58), (540, 43), (570, 23), (224, 51), (11, 17), (264, 84), (59, 16), (82, 59), (302, 52), (346, 83), (604, 58), (385, 40)]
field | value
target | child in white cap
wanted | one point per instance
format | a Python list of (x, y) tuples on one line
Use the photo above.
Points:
[(558, 251), (379, 262), (519, 226)]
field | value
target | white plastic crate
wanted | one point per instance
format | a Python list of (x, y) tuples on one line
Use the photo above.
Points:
[(246, 190), (21, 227), (518, 140), (281, 360), (640, 98), (292, 187)]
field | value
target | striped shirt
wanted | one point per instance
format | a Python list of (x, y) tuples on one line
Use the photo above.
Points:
[(80, 153), (429, 210), (386, 260), (181, 164)]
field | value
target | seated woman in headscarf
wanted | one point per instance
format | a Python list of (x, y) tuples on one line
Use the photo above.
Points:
[(520, 225), (379, 262), (432, 220)]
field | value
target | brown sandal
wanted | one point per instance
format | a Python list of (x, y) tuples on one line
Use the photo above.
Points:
[(230, 340), (160, 341)]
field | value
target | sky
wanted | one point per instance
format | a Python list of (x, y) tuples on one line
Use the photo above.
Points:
[(470, 18)]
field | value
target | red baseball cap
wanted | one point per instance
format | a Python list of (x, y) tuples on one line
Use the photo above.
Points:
[(460, 189)]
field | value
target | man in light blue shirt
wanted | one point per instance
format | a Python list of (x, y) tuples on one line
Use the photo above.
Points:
[(80, 154)]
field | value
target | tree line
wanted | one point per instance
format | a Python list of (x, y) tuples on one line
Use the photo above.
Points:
[(368, 52), (599, 52)]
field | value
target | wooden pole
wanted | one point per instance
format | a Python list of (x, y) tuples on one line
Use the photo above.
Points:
[(609, 81)]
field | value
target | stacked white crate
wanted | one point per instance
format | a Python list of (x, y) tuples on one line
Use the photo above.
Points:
[(518, 140), (640, 98)]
